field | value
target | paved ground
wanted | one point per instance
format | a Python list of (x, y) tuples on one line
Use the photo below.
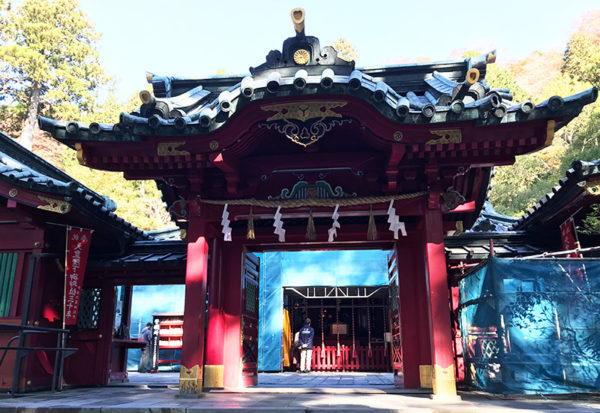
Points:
[(273, 397)]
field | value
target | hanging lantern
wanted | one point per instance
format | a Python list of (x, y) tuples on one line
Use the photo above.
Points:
[(311, 234), (250, 230)]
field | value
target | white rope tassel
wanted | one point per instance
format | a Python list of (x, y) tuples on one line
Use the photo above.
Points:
[(225, 223), (278, 224), (394, 221), (334, 226)]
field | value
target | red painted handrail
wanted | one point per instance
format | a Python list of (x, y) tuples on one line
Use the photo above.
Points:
[(347, 360)]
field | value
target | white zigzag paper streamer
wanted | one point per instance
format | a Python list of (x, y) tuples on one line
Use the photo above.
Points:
[(225, 223), (334, 226), (278, 224), (394, 221)]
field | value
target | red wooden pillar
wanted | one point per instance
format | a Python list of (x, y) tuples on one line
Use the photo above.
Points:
[(438, 300), (213, 367), (413, 309), (192, 352), (232, 317)]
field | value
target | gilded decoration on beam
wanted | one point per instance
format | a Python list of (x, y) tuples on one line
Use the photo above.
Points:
[(80, 156), (54, 205), (398, 136), (304, 111), (446, 136), (213, 145), (592, 187), (13, 192), (304, 123), (170, 149), (319, 190), (550, 126), (301, 57)]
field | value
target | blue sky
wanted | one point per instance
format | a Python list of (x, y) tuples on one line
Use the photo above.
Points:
[(198, 38)]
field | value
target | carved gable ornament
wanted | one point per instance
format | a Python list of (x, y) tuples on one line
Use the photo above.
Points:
[(304, 123)]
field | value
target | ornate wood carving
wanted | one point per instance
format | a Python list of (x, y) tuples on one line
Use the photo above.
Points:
[(304, 123), (446, 136), (304, 111), (170, 149), (319, 190)]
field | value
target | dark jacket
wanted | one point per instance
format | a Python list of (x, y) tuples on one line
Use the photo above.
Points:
[(307, 334), (147, 336)]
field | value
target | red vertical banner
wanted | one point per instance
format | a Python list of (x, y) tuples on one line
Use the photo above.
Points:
[(78, 246), (567, 234)]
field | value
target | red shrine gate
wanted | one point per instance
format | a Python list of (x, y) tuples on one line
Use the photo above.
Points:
[(321, 154)]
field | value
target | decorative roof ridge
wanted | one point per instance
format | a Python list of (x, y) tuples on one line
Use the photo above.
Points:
[(490, 109), (574, 176), (430, 92)]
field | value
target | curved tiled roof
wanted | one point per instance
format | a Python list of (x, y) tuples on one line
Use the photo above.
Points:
[(23, 168), (568, 188), (409, 94)]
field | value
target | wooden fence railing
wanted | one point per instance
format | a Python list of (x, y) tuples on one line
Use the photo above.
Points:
[(347, 360)]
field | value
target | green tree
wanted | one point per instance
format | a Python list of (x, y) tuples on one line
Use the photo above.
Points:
[(138, 202), (519, 186), (582, 59), (498, 77), (48, 61)]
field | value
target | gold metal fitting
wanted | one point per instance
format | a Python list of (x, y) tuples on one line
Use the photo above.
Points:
[(472, 76), (298, 15)]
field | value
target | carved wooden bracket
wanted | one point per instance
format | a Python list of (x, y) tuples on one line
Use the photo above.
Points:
[(231, 167), (391, 169)]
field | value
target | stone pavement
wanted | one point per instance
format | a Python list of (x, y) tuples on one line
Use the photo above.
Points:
[(276, 397)]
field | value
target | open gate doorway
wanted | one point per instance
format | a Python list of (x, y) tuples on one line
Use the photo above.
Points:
[(351, 297)]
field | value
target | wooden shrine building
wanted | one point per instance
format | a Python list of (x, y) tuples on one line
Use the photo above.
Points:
[(309, 152)]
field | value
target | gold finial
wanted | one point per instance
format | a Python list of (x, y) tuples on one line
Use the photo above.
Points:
[(298, 15)]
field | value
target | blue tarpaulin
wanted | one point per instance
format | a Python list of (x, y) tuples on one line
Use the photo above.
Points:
[(532, 326), (307, 268)]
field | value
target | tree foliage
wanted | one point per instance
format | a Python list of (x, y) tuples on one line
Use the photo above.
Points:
[(139, 202), (48, 61), (518, 187)]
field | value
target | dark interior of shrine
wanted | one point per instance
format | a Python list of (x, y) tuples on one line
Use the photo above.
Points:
[(354, 326)]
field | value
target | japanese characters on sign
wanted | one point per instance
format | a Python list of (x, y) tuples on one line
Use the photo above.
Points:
[(567, 232), (78, 245)]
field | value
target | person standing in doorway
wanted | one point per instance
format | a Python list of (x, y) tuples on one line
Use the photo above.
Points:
[(307, 334), (147, 339)]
